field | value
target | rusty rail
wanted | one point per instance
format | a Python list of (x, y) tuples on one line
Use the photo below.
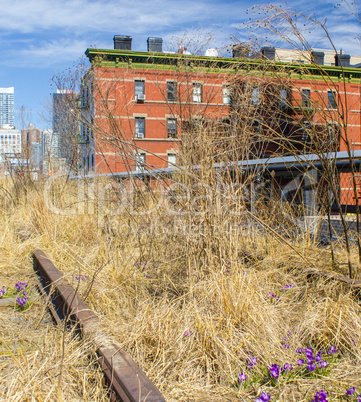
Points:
[(353, 283), (125, 378)]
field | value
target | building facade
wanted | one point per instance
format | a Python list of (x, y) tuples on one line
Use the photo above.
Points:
[(137, 107), (10, 144), (31, 145), (7, 107)]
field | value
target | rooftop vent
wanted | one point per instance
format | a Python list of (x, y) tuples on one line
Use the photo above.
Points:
[(342, 60), (318, 58), (268, 52), (155, 45), (122, 42)]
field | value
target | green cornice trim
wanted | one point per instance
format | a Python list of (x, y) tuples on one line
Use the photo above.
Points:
[(172, 62)]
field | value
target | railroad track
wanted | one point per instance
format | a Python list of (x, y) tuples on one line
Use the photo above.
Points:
[(128, 383)]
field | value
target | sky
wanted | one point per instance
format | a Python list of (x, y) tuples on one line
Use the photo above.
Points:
[(40, 38)]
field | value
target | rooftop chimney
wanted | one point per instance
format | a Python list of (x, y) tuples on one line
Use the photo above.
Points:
[(122, 42), (342, 60), (318, 58), (155, 45), (268, 52)]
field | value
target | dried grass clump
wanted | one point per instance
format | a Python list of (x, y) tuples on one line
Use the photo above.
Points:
[(190, 306)]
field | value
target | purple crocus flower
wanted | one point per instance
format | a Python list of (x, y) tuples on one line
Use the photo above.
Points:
[(252, 362), (351, 391), (187, 333), (21, 301), (332, 350), (273, 296), (358, 398), (311, 367), (300, 350), (290, 286), (320, 397), (242, 377), (2, 291), (287, 367), (264, 397), (323, 364), (274, 371), (300, 362), (309, 353)]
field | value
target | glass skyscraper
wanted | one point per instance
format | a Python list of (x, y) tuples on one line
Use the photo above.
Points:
[(7, 107)]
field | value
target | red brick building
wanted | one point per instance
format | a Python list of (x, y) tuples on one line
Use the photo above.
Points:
[(136, 105)]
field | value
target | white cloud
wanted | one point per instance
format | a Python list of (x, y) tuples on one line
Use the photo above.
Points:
[(47, 54), (28, 16), (74, 25)]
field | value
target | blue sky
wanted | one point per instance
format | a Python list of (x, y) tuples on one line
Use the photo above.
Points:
[(39, 38)]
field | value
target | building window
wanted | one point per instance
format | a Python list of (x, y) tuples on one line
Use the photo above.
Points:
[(172, 160), (285, 128), (306, 132), (139, 162), (172, 128), (139, 90), (197, 92), (331, 96), (226, 95), (139, 127), (333, 134), (255, 96), (256, 127), (225, 126), (306, 97), (171, 91), (283, 98)]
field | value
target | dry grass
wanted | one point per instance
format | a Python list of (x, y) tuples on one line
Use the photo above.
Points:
[(151, 287)]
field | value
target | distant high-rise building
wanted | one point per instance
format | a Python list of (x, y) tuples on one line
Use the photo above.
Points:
[(7, 107), (31, 141), (50, 151)]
